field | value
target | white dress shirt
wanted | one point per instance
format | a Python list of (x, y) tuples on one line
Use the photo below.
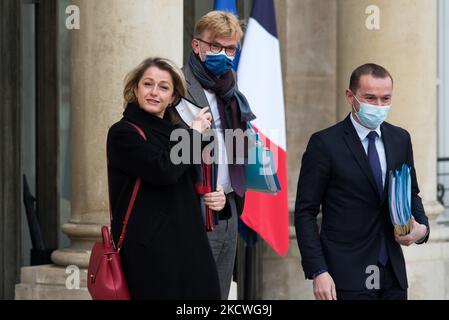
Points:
[(223, 178), (363, 132)]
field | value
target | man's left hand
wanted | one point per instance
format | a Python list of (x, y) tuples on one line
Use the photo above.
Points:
[(417, 233), (215, 200)]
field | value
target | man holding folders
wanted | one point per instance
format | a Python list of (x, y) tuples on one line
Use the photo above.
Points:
[(344, 169), (212, 82)]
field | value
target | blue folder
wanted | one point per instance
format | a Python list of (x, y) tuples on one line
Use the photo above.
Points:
[(260, 171), (399, 199)]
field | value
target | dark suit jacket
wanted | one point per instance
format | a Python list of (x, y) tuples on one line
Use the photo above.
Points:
[(335, 173), (195, 93)]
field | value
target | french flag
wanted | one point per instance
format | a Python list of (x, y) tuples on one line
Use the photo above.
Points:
[(260, 80)]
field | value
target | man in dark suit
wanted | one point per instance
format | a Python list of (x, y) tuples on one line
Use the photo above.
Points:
[(356, 254), (211, 82)]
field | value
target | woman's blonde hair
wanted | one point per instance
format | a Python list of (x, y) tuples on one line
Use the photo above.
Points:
[(219, 24), (132, 79)]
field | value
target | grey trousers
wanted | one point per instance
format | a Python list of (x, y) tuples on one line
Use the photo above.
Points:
[(223, 242)]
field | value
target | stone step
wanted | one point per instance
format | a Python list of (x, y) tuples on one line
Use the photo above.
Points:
[(52, 274), (49, 292), (51, 282)]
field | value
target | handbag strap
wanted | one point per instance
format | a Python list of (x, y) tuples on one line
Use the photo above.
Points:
[(133, 196)]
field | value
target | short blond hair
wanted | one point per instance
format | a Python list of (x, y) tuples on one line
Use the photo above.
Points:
[(132, 79), (219, 24)]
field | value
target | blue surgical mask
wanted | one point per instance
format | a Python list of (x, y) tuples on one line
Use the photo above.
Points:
[(370, 115), (218, 63)]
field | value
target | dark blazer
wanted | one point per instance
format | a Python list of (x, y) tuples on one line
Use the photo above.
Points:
[(335, 173), (195, 93), (166, 253)]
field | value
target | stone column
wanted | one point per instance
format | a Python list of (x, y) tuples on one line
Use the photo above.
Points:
[(406, 44), (114, 37), (307, 35), (410, 54)]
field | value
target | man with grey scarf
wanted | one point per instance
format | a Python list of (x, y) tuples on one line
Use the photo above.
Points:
[(212, 82)]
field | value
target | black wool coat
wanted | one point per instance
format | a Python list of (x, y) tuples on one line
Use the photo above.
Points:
[(166, 253)]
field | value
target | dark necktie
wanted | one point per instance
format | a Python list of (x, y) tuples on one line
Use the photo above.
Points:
[(374, 162)]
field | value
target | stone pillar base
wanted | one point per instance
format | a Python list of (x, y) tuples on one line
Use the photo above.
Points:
[(443, 218), (66, 257), (48, 282), (82, 236), (283, 278), (428, 267), (433, 210)]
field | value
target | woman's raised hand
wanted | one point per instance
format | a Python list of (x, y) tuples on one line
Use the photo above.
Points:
[(202, 121)]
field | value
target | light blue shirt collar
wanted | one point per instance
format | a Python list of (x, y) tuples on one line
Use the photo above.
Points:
[(362, 131)]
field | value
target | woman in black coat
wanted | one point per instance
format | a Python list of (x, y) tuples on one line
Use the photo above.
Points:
[(165, 253)]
